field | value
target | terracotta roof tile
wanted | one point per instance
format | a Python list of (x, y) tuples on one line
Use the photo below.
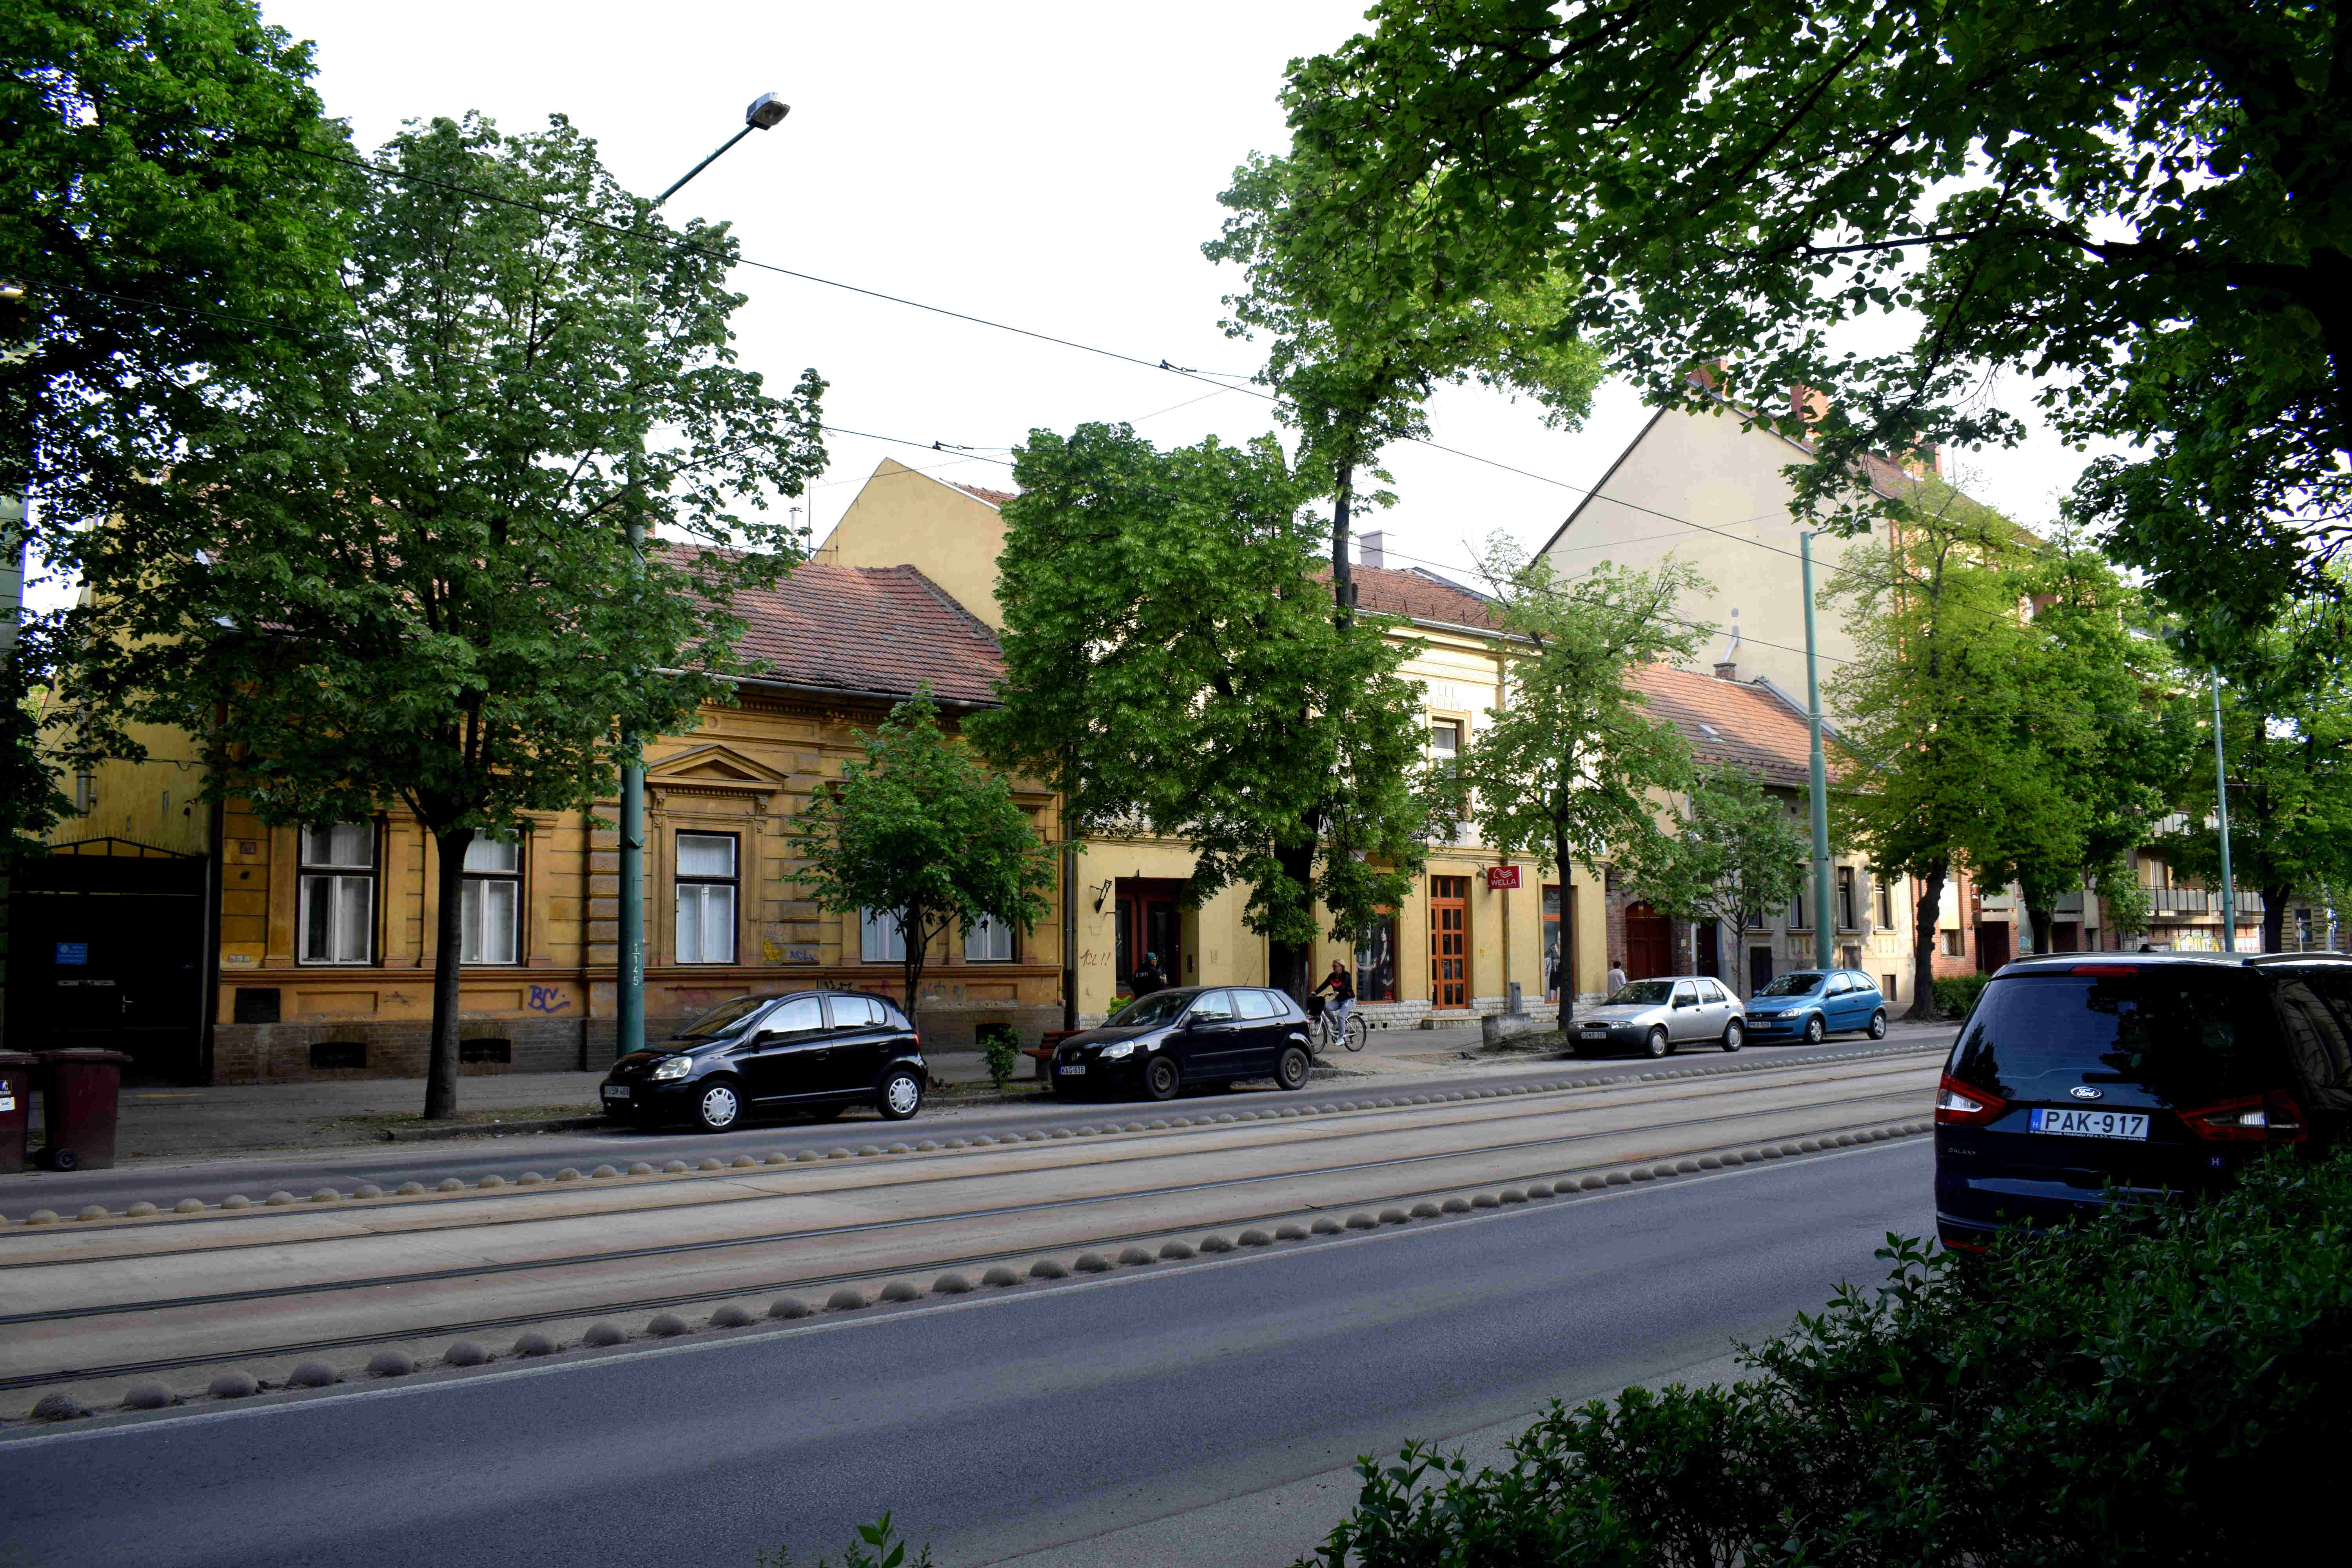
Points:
[(1730, 721), (994, 498), (879, 629), (1420, 595)]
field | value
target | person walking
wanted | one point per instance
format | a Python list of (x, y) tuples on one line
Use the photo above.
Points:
[(1149, 976), (1616, 975), (1343, 999)]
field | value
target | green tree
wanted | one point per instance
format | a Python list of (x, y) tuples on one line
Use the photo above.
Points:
[(1943, 751), (919, 832), (1172, 666), (1572, 768), (1730, 847), (2145, 200), (2286, 728), (389, 563), (153, 210)]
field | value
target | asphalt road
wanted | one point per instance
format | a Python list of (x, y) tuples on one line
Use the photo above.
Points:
[(470, 1159), (1196, 1414)]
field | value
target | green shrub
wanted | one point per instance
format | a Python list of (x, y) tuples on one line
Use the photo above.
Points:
[(1956, 994), (2148, 1388), (1000, 1048), (878, 1546)]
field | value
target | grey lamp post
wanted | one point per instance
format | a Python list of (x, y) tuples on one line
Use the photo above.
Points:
[(1819, 775), (766, 112)]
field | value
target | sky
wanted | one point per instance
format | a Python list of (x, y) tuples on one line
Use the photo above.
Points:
[(1052, 166)]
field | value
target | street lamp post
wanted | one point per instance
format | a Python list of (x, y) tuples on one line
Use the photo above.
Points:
[(1818, 773), (766, 112)]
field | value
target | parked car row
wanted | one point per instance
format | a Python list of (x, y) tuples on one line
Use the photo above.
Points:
[(1655, 1018)]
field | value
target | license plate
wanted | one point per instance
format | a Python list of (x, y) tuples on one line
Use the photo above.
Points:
[(2092, 1123), (616, 1091), (1596, 1034), (1080, 1071)]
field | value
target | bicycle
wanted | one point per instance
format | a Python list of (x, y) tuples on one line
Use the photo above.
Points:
[(1320, 1028)]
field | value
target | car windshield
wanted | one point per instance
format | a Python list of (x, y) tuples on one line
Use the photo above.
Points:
[(1146, 1012), (1642, 993), (723, 1018), (1803, 983), (2159, 1035)]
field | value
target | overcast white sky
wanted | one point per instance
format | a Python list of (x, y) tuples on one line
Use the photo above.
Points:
[(1051, 165)]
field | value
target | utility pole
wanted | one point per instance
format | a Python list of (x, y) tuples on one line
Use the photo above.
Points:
[(1822, 935), (2221, 818), (629, 970)]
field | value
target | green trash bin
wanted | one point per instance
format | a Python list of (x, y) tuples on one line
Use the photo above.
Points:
[(81, 1090), (17, 1070)]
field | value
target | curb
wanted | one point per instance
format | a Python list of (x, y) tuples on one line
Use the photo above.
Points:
[(484, 1129)]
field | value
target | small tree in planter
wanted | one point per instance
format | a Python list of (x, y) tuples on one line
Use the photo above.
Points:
[(1000, 1048), (919, 834)]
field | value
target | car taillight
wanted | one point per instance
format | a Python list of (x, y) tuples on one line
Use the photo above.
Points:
[(1964, 1105), (2104, 969), (2254, 1119)]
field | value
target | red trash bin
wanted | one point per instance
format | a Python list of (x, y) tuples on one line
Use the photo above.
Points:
[(16, 1106), (80, 1088)]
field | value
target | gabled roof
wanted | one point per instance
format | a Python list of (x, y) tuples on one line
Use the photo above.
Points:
[(1732, 722), (994, 498), (1420, 596), (878, 631)]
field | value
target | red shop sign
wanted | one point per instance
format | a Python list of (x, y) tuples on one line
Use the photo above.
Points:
[(1501, 877)]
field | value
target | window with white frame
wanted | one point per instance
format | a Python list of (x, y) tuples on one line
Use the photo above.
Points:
[(706, 882), (338, 892), (491, 918), (988, 940), (879, 940)]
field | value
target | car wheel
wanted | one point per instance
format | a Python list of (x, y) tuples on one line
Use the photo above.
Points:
[(901, 1094), (1879, 1025), (1735, 1035), (718, 1105), (1160, 1078), (1658, 1044), (1815, 1030), (828, 1112), (1291, 1073)]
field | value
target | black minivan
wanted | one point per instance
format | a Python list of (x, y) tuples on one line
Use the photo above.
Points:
[(1191, 1034), (818, 1052), (2155, 1072)]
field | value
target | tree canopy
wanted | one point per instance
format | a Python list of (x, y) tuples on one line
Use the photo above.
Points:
[(1172, 666), (2144, 203), (1730, 846), (389, 563), (919, 834)]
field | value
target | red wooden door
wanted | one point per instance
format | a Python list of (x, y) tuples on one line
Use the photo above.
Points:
[(1649, 942), (1449, 942)]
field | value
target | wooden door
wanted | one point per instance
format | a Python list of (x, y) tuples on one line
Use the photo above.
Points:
[(1710, 953), (1449, 942), (1649, 942)]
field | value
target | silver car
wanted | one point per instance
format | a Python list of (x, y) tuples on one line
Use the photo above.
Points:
[(1656, 1018)]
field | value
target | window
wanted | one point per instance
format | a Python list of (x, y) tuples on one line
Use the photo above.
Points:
[(1376, 958), (856, 1013), (489, 916), (879, 940), (1212, 1006), (1710, 992), (1886, 988), (1955, 942), (706, 898), (796, 1015), (1838, 985), (1256, 1005), (1845, 901), (1445, 754), (338, 893), (1797, 921), (988, 940), (1685, 995), (1555, 975), (1886, 903)]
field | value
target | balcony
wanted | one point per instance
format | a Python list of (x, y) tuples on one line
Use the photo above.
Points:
[(2198, 901)]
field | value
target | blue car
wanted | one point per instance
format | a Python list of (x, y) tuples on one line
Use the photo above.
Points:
[(1808, 1004)]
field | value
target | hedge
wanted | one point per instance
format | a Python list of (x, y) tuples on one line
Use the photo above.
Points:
[(2165, 1385), (1956, 994)]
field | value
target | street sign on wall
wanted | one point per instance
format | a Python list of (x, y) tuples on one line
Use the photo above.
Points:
[(1501, 877)]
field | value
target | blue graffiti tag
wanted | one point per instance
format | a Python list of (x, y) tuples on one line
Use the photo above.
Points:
[(548, 999)]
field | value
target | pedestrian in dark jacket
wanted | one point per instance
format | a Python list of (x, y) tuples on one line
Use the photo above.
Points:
[(1149, 976)]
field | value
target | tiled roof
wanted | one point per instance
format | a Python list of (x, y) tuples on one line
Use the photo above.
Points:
[(875, 629), (1730, 721), (994, 498), (1420, 595)]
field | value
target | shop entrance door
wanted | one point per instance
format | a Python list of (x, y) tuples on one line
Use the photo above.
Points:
[(1150, 920), (1649, 943), (1449, 942)]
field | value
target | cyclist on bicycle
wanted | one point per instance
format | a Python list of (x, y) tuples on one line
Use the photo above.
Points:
[(1343, 998)]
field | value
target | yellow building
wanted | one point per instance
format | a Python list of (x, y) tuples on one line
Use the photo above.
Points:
[(1477, 925)]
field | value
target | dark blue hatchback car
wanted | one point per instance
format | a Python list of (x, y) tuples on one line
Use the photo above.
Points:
[(2082, 1078), (1809, 1004)]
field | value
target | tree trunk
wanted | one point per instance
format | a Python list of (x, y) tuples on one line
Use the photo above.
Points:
[(450, 847), (2038, 921), (916, 942), (1567, 924), (1923, 943), (1343, 582), (2275, 918), (1289, 962)]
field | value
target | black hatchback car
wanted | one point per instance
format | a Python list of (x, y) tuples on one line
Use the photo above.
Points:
[(2154, 1072), (818, 1052), (1193, 1035)]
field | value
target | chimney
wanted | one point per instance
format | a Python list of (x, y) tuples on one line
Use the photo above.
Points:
[(1371, 549), (1808, 403), (1726, 670)]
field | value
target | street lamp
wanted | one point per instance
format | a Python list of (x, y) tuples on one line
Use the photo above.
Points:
[(765, 113)]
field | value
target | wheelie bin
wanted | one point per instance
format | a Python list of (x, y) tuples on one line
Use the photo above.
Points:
[(17, 1070), (81, 1088)]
